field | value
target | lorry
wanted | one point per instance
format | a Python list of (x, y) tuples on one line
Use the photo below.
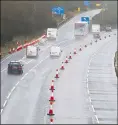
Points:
[(55, 51), (32, 51), (51, 33), (96, 30), (81, 29)]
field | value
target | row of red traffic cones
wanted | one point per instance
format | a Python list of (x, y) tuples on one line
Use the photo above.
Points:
[(52, 88)]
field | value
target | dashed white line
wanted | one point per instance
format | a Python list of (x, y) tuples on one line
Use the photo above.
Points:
[(97, 119), (13, 89), (4, 70), (90, 99), (5, 103), (24, 76), (93, 108), (1, 111), (9, 95)]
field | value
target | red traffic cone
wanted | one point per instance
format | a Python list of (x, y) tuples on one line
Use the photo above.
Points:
[(62, 67), (75, 52), (66, 60), (51, 121), (85, 45), (52, 98), (70, 57), (52, 86), (50, 113), (57, 74)]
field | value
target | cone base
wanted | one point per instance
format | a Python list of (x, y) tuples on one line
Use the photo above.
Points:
[(66, 61), (52, 100), (57, 77), (50, 114), (51, 89)]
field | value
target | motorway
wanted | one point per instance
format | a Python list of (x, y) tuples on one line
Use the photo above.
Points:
[(27, 94)]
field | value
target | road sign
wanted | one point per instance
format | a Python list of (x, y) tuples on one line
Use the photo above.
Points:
[(85, 19), (78, 9), (58, 10), (87, 3)]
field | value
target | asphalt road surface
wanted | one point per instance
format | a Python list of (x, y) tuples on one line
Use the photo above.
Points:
[(28, 102)]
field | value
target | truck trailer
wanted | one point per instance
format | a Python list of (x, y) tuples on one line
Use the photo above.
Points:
[(81, 29)]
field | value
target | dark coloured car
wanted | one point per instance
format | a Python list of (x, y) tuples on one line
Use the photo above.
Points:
[(15, 67)]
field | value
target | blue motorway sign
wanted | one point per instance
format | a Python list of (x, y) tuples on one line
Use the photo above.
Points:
[(87, 3), (85, 19), (58, 10)]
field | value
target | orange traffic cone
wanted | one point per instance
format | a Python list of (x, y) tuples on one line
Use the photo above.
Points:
[(52, 98), (66, 60), (57, 74), (51, 121), (62, 67), (52, 86), (50, 113), (75, 52), (70, 57)]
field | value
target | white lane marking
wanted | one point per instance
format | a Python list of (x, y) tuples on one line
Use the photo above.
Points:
[(97, 119), (93, 108), (9, 95), (5, 103), (1, 111), (90, 99), (6, 58), (4, 70), (17, 83), (29, 62), (24, 76)]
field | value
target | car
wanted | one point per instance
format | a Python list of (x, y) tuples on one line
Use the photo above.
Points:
[(15, 67), (116, 63)]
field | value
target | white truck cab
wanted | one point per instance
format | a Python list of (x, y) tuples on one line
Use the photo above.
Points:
[(32, 51), (55, 51), (51, 33)]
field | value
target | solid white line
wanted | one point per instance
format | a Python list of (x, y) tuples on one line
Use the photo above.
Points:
[(5, 103)]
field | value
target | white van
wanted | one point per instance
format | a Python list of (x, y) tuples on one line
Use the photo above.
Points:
[(51, 33), (32, 51), (55, 51)]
